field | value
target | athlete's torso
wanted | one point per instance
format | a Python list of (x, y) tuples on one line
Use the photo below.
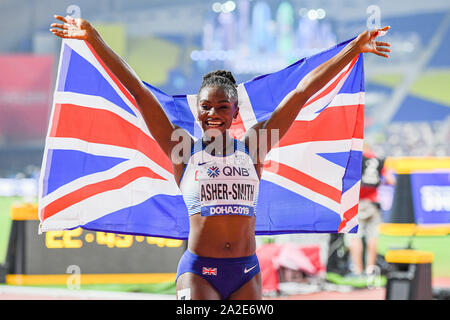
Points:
[(220, 185), (221, 194)]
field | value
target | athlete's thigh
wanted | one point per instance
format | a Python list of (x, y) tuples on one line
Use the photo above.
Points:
[(252, 290), (193, 287)]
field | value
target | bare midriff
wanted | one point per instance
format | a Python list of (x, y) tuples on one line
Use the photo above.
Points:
[(226, 236)]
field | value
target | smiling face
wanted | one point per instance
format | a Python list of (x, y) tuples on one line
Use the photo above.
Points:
[(216, 110)]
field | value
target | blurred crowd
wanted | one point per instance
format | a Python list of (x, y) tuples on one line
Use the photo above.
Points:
[(414, 139)]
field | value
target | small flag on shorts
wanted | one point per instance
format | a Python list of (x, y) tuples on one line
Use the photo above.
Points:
[(209, 271)]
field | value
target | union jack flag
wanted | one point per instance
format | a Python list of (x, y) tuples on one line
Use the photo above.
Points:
[(102, 170), (209, 271)]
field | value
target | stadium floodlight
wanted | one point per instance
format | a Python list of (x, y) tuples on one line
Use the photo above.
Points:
[(321, 13), (228, 6), (312, 14), (217, 7), (303, 12)]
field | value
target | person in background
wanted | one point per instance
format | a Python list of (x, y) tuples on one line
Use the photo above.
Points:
[(369, 212)]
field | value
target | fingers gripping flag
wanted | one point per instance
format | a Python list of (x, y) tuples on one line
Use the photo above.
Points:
[(102, 170)]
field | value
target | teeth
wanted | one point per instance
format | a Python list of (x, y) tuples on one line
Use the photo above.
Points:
[(214, 123)]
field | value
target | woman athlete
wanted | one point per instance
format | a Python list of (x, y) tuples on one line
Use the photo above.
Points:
[(218, 176)]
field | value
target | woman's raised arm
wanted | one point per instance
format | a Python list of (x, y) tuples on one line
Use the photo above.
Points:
[(286, 112), (156, 119)]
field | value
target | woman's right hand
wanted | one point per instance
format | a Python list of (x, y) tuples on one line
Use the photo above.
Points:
[(154, 115), (72, 28)]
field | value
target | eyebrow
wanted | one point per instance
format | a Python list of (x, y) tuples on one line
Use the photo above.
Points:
[(204, 100)]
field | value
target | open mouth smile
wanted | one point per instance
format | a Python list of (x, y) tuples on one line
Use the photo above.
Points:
[(214, 123)]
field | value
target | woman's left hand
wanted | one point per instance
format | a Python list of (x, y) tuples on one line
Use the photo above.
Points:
[(72, 28), (366, 42)]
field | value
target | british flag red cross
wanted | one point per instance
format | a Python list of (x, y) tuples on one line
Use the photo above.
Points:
[(102, 170)]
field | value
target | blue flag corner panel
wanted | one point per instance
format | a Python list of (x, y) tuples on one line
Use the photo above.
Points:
[(98, 151)]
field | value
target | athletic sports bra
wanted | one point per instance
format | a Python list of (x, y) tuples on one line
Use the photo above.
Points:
[(220, 185)]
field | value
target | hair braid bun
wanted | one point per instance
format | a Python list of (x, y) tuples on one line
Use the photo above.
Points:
[(220, 73)]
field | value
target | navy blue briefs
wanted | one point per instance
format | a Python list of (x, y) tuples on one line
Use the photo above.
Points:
[(226, 275)]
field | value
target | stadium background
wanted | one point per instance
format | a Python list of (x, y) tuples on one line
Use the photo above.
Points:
[(171, 44)]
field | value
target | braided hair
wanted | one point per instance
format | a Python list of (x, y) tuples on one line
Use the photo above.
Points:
[(223, 79)]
